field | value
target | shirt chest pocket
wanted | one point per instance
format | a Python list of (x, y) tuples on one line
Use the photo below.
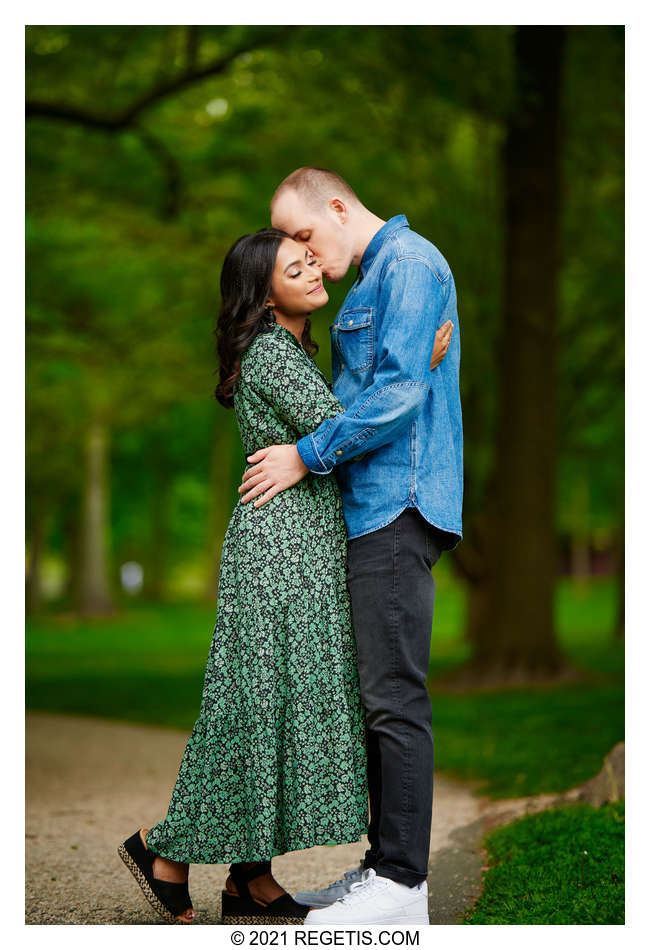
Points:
[(354, 336)]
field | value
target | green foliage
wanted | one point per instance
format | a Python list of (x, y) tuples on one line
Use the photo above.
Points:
[(129, 220), (592, 334), (562, 866)]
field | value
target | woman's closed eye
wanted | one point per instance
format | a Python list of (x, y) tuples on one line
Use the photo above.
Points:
[(310, 261)]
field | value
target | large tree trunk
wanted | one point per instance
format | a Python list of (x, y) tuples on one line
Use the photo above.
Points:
[(511, 615), (95, 588)]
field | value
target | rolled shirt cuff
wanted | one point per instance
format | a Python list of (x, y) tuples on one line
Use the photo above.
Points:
[(307, 452)]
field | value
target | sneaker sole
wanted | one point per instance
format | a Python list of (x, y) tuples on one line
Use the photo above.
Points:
[(312, 903), (268, 921)]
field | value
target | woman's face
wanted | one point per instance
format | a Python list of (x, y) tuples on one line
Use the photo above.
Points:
[(297, 283)]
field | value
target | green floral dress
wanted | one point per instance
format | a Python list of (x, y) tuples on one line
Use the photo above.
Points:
[(276, 761)]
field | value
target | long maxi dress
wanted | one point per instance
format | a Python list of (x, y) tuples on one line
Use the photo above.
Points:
[(276, 761)]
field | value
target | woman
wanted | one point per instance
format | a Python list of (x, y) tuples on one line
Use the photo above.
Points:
[(276, 760)]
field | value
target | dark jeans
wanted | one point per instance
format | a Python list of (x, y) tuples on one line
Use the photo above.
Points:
[(392, 592)]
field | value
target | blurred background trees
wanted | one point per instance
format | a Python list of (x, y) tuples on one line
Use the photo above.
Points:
[(151, 149)]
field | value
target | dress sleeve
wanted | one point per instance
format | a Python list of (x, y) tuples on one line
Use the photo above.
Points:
[(286, 377)]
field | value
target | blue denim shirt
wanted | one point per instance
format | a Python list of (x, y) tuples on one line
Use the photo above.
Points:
[(399, 443)]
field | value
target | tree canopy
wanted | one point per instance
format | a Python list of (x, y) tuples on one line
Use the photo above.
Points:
[(150, 149)]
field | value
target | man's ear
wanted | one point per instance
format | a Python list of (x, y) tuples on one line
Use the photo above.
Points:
[(339, 208)]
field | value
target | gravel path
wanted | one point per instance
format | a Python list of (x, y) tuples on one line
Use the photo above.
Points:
[(91, 783)]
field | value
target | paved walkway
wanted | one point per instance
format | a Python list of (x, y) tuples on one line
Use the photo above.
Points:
[(92, 782)]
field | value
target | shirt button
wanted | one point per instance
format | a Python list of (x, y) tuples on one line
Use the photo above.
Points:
[(350, 322), (339, 452)]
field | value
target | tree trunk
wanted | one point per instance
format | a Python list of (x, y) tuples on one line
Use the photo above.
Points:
[(511, 618), (95, 587)]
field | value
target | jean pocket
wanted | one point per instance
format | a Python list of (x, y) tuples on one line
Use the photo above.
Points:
[(354, 337)]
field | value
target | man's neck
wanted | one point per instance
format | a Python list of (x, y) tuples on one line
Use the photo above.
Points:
[(367, 226)]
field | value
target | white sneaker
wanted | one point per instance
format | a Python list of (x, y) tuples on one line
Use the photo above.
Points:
[(375, 900)]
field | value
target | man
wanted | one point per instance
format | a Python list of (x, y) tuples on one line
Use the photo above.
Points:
[(397, 453)]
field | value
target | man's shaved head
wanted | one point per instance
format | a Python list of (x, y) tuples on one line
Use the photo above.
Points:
[(318, 208), (314, 187)]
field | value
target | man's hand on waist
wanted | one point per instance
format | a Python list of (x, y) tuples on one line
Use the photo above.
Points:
[(276, 468)]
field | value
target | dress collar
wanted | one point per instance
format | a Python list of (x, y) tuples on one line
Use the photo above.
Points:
[(277, 327)]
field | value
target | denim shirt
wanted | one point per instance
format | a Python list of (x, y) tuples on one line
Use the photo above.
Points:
[(399, 443)]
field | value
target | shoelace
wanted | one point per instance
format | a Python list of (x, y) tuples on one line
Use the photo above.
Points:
[(362, 889), (343, 880)]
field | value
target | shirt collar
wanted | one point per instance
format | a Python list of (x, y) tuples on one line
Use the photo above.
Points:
[(382, 235)]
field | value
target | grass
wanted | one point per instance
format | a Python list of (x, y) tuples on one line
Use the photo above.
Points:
[(562, 866), (524, 742), (147, 665)]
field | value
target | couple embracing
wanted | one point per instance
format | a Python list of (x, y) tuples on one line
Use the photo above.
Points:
[(315, 723)]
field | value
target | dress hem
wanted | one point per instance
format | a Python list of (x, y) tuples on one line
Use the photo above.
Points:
[(235, 858)]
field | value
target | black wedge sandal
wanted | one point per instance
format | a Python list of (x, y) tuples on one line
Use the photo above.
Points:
[(167, 898), (244, 909)]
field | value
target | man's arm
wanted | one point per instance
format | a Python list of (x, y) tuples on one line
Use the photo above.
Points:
[(411, 308)]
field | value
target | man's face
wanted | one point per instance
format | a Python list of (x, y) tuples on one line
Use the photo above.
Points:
[(323, 232)]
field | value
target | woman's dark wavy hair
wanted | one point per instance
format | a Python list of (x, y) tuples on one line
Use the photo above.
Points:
[(245, 288)]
